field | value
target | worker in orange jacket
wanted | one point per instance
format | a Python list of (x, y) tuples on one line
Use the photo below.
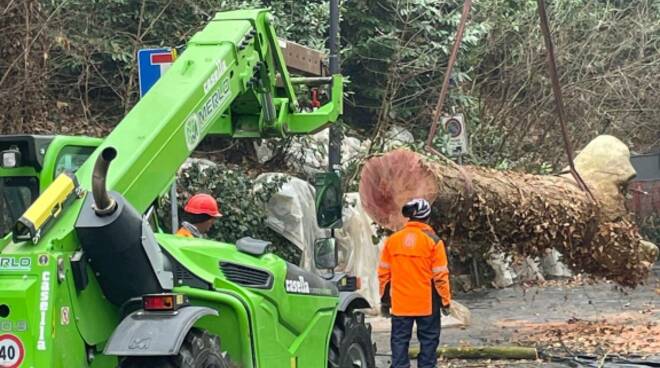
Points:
[(199, 214), (413, 273)]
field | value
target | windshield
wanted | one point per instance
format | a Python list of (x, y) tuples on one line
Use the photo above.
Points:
[(71, 158), (16, 194)]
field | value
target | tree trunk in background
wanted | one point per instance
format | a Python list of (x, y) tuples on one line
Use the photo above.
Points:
[(520, 212)]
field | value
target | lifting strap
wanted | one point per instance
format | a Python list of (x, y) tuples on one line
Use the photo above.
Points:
[(556, 88)]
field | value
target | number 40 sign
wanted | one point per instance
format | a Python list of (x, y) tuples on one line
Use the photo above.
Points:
[(11, 351)]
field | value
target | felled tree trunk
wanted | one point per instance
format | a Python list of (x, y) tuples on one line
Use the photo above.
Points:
[(520, 212)]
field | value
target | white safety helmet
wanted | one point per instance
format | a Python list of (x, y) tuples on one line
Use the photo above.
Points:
[(417, 209)]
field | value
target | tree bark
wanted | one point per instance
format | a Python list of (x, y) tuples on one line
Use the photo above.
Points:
[(475, 208)]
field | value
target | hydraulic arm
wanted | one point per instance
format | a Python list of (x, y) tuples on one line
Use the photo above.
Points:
[(231, 81)]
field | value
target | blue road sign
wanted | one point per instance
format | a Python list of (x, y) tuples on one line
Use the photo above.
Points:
[(152, 64)]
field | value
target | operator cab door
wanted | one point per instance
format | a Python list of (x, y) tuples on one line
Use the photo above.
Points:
[(37, 161), (16, 195)]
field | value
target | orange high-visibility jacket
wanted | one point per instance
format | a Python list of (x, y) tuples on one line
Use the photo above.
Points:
[(189, 230), (413, 262), (183, 232)]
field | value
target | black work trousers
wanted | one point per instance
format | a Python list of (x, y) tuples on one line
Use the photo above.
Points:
[(428, 334)]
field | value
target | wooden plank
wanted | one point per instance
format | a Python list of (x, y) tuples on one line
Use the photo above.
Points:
[(303, 60)]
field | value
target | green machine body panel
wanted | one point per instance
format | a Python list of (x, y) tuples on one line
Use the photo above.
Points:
[(284, 325), (44, 158)]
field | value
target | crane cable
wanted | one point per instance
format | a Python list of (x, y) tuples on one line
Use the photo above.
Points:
[(450, 65), (556, 88)]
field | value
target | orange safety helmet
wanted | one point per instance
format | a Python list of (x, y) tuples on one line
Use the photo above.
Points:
[(203, 204)]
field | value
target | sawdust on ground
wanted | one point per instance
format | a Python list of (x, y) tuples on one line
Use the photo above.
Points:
[(636, 333)]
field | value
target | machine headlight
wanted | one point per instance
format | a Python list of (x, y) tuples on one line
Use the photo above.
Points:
[(11, 158)]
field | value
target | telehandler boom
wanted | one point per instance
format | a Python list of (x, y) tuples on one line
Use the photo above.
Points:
[(88, 280)]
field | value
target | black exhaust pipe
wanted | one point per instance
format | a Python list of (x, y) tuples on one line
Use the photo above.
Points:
[(112, 236), (104, 205)]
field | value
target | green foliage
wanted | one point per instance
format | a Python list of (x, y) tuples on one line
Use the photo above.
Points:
[(396, 55), (605, 50), (241, 202), (95, 42), (80, 74)]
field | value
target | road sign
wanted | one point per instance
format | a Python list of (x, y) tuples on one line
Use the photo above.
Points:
[(457, 144), (12, 352), (152, 64)]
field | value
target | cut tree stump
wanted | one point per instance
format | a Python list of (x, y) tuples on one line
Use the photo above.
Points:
[(485, 352), (475, 208)]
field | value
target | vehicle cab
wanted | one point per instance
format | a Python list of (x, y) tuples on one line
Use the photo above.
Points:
[(29, 164)]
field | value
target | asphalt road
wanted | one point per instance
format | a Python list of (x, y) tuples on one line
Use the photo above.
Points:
[(561, 318)]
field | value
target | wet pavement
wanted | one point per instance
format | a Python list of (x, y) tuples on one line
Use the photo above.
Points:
[(560, 318)]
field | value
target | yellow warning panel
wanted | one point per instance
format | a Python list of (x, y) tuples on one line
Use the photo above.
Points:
[(47, 207)]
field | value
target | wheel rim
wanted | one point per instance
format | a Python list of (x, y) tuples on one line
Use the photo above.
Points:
[(357, 356)]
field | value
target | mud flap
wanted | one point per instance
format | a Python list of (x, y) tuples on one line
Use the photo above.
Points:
[(352, 300), (154, 333)]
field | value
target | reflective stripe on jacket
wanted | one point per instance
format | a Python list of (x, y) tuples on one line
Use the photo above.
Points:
[(189, 230), (414, 263), (185, 233)]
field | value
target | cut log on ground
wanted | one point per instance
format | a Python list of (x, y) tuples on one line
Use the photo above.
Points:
[(484, 352), (475, 208)]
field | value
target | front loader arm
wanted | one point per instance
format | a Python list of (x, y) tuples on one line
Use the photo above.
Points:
[(231, 81)]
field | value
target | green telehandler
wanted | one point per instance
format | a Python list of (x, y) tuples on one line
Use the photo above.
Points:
[(88, 279)]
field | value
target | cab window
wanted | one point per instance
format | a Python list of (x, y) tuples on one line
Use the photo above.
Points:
[(71, 158), (16, 195)]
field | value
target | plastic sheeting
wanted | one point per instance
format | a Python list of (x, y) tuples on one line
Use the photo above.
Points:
[(531, 269), (396, 137), (553, 266), (501, 265), (292, 213), (528, 270), (358, 254), (309, 154)]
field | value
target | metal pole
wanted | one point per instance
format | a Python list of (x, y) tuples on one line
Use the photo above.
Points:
[(334, 149), (174, 208)]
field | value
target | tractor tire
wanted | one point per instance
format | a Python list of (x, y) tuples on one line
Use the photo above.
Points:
[(199, 350), (350, 345)]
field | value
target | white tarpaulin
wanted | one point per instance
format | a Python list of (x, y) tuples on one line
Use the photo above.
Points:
[(309, 154), (292, 213), (358, 255), (501, 265), (530, 269), (553, 266), (397, 136)]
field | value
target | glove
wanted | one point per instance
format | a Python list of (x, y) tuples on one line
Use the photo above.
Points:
[(386, 302), (385, 310), (445, 310)]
